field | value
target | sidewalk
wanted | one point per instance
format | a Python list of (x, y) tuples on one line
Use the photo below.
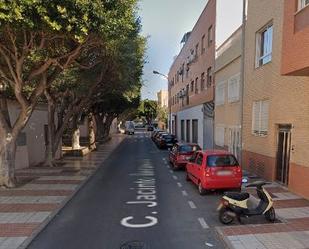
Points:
[(291, 233), (25, 210)]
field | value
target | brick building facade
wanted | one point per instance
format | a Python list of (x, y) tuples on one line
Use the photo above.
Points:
[(276, 107)]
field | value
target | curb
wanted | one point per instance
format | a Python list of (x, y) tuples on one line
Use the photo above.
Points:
[(44, 224), (227, 243)]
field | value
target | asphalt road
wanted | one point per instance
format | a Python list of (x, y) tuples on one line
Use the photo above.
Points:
[(134, 196)]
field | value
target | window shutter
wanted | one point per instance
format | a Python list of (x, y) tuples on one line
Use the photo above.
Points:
[(220, 96), (260, 117), (219, 136), (264, 118), (233, 88)]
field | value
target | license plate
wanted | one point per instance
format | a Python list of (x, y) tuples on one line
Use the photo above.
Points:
[(220, 206), (169, 144), (224, 173), (188, 158)]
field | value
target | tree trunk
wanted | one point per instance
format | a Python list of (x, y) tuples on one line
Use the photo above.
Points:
[(7, 161), (99, 123), (91, 131), (8, 137), (50, 151), (107, 125), (76, 133)]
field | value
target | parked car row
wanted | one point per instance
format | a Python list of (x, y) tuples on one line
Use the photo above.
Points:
[(209, 169), (163, 139)]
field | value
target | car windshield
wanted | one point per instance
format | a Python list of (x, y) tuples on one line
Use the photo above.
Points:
[(188, 148), (168, 136), (221, 160)]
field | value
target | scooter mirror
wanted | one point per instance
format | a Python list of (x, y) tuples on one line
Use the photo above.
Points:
[(244, 180)]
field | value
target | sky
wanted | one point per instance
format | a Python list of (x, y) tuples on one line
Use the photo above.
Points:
[(164, 24)]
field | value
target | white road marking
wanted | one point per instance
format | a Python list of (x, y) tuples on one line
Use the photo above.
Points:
[(175, 177), (179, 184), (209, 244), (184, 193), (163, 159), (192, 205), (203, 223), (171, 171)]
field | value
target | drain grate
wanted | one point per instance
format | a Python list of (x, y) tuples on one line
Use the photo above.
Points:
[(134, 245)]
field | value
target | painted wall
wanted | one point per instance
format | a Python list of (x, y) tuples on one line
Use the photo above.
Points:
[(190, 114)]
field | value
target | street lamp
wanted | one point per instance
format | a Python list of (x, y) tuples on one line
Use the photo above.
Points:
[(169, 100)]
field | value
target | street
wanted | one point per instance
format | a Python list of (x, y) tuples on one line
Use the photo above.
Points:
[(135, 197)]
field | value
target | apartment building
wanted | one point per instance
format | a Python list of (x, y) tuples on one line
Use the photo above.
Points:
[(276, 107), (162, 96), (295, 47), (227, 94), (191, 83)]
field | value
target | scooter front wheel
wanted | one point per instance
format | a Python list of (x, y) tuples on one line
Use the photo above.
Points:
[(224, 216), (270, 215)]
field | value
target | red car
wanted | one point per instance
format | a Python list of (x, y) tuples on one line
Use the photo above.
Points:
[(214, 169), (181, 153)]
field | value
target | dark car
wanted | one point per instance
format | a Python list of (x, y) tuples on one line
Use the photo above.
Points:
[(150, 128), (166, 141), (158, 136), (181, 153)]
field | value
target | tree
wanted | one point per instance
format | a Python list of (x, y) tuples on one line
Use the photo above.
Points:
[(78, 91), (38, 40), (148, 110)]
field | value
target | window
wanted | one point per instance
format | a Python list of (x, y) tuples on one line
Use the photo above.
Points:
[(177, 75), (196, 51), (302, 4), (210, 38), (220, 93), (187, 94), (199, 159), (196, 85), (188, 148), (219, 135), (209, 77), (188, 129), (202, 81), (264, 45), (222, 161), (203, 44), (233, 88), (182, 130), (260, 112), (194, 130), (182, 71), (192, 86)]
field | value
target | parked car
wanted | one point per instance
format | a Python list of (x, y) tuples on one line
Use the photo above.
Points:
[(165, 141), (150, 128), (156, 136), (181, 153), (154, 133), (214, 169)]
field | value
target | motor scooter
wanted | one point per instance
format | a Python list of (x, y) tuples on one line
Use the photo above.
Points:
[(235, 205)]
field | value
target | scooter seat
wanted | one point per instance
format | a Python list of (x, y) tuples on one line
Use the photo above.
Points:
[(237, 196)]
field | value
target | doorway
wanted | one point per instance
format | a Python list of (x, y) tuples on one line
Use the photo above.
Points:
[(283, 153)]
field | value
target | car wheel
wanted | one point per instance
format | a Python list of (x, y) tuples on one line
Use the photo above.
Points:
[(187, 177), (270, 215), (224, 216), (201, 190)]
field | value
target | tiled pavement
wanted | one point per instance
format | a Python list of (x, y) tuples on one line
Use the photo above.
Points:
[(291, 233), (24, 209)]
